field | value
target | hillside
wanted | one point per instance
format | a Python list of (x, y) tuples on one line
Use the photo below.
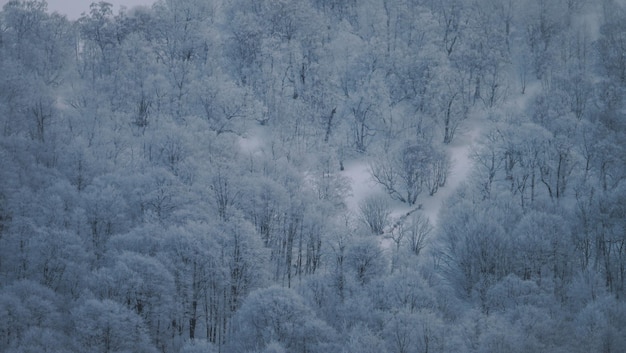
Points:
[(314, 176)]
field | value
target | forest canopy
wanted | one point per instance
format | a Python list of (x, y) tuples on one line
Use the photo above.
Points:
[(173, 178)]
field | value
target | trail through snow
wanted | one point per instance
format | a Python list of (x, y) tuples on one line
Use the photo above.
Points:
[(362, 184), (459, 152), (461, 162)]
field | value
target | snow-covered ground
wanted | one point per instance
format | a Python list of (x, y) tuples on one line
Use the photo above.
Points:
[(459, 151), (252, 142), (362, 184), (358, 171)]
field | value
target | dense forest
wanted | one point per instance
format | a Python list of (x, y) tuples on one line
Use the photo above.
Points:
[(174, 178)]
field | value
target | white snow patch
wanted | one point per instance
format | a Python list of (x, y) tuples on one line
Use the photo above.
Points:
[(461, 164), (252, 142), (459, 152), (358, 171)]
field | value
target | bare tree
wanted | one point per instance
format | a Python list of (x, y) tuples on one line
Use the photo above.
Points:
[(409, 169), (361, 125), (453, 110), (412, 230), (374, 212), (417, 232), (437, 172)]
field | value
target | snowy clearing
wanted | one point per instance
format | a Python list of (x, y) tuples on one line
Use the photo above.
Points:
[(459, 152)]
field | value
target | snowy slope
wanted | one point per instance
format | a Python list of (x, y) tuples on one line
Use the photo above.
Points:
[(362, 184), (459, 151), (357, 171)]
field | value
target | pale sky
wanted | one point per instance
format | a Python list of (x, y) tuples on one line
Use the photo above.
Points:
[(73, 8)]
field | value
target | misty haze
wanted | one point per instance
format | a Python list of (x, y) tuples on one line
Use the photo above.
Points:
[(313, 176)]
